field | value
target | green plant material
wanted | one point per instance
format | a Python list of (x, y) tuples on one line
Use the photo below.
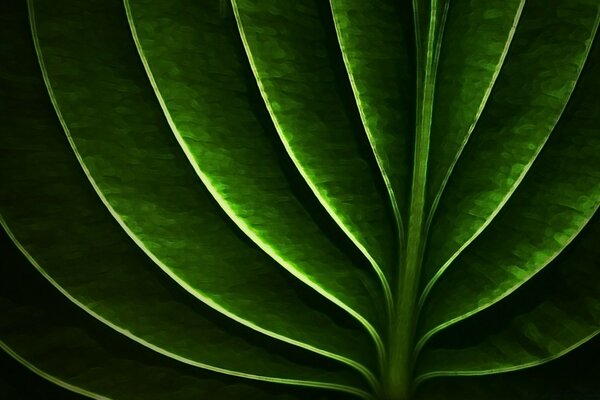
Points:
[(78, 353), (287, 200)]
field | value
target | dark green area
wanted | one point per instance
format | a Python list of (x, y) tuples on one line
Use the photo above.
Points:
[(258, 199)]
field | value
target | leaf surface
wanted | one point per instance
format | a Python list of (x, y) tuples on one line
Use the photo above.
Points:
[(378, 199), (231, 146), (569, 292), (288, 46), (102, 266), (83, 356), (375, 40), (555, 201), (126, 149), (548, 51)]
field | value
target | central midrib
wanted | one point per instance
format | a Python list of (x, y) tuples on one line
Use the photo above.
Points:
[(397, 379)]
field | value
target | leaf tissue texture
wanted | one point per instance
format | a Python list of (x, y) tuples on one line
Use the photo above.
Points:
[(269, 199)]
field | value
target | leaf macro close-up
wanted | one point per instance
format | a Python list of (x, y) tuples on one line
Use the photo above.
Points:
[(300, 199)]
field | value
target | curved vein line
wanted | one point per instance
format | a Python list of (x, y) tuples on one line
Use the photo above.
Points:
[(378, 159), (127, 333), (48, 377), (426, 100), (438, 47), (225, 205), (417, 28), (424, 117), (141, 341), (435, 61), (244, 227), (404, 324), (423, 377), (315, 190), (507, 292), (200, 295), (518, 181), (93, 395), (482, 105)]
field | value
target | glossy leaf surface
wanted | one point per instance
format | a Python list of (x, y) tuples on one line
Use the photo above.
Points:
[(264, 199)]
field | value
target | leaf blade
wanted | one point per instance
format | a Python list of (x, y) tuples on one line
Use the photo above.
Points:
[(229, 167), (375, 46), (464, 36), (157, 224), (568, 293), (91, 359), (312, 124), (556, 201), (529, 114)]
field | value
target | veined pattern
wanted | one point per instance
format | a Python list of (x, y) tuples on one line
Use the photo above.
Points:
[(265, 199)]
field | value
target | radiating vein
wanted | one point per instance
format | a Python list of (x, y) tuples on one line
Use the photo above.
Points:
[(423, 377), (480, 109), (384, 175), (88, 393), (49, 377), (505, 291), (323, 198), (127, 332), (364, 116), (194, 290), (225, 204), (501, 340), (331, 211), (471, 226)]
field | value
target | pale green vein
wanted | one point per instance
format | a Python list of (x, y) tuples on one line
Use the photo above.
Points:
[(373, 145), (423, 377), (238, 221), (330, 210), (403, 326), (48, 376), (423, 340), (153, 347), (482, 105), (193, 291), (314, 189), (417, 29), (231, 213), (519, 179), (436, 55)]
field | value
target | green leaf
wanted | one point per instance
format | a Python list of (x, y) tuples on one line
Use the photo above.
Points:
[(81, 355), (463, 88), (313, 119), (310, 199), (528, 99), (137, 170), (233, 154), (533, 337), (555, 201), (102, 264), (375, 42)]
